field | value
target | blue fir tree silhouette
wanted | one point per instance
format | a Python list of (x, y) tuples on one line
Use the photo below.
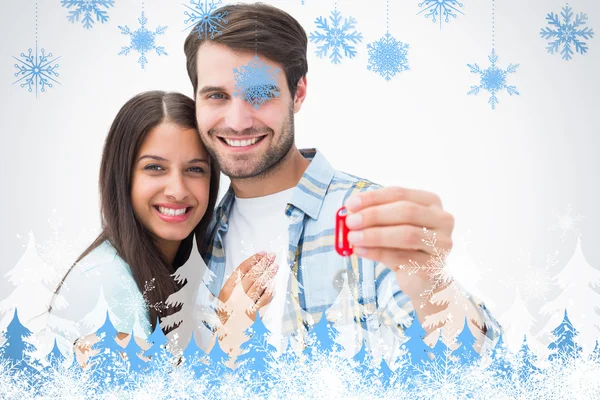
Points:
[(528, 359), (440, 351), (564, 345), (133, 350), (417, 349), (384, 373), (17, 350), (158, 347), (218, 358), (194, 357), (323, 335), (109, 355), (55, 357), (500, 366), (289, 356), (466, 353), (257, 349), (363, 361), (596, 352)]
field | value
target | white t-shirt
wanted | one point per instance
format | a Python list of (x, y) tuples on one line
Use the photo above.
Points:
[(260, 224)]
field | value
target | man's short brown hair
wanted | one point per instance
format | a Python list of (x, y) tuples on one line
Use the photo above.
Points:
[(269, 31)]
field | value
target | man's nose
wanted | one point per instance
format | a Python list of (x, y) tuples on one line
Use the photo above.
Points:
[(239, 115)]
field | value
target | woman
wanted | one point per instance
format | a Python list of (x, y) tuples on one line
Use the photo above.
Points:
[(158, 188)]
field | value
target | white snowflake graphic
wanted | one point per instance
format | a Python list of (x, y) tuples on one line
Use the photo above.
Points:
[(143, 40), (388, 57), (440, 9), (57, 252), (443, 378), (207, 23), (533, 282), (435, 267), (88, 9), (493, 79), (36, 70), (133, 302), (336, 38), (256, 82), (567, 33), (566, 222)]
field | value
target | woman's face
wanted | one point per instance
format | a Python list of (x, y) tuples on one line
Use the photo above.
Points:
[(170, 183)]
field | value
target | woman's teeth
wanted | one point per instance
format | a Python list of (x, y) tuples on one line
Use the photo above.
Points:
[(241, 143), (172, 211)]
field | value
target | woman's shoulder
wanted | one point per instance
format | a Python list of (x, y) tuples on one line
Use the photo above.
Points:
[(103, 279), (104, 255)]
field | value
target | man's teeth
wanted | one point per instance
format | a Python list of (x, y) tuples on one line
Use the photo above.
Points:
[(171, 211), (241, 143)]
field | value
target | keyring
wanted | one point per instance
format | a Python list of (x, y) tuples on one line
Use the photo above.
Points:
[(342, 246)]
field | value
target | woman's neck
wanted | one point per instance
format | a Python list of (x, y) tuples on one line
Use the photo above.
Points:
[(168, 248)]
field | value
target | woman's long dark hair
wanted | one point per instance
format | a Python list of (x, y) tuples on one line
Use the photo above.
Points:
[(120, 226)]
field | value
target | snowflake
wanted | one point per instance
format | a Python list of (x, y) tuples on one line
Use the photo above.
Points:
[(204, 18), (256, 82), (435, 267), (442, 378), (133, 303), (388, 56), (36, 70), (56, 251), (336, 37), (566, 223), (534, 282), (142, 40), (493, 79), (567, 33), (262, 274), (442, 9), (87, 8)]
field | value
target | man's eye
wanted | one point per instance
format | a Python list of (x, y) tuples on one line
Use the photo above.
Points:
[(153, 167), (217, 96), (197, 169)]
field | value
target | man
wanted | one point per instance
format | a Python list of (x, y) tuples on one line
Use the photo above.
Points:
[(283, 201)]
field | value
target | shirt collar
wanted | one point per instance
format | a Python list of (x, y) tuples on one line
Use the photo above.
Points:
[(309, 193)]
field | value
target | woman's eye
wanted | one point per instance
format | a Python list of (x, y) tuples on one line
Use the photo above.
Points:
[(153, 167), (197, 169)]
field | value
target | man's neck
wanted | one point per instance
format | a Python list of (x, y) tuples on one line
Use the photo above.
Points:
[(283, 176)]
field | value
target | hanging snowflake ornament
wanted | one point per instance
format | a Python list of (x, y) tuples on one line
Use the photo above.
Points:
[(336, 37), (35, 70), (567, 33), (441, 10), (256, 82), (143, 40), (86, 10), (388, 57), (493, 79), (202, 16)]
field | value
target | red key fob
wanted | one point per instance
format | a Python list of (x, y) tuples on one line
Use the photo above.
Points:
[(341, 233)]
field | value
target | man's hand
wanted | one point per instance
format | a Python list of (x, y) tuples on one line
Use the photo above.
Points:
[(254, 276), (386, 225)]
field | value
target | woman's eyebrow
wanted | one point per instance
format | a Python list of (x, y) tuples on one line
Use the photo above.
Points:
[(198, 160), (157, 158)]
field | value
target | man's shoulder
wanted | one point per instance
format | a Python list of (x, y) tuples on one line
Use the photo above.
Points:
[(345, 184)]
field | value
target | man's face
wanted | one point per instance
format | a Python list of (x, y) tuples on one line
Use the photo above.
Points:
[(245, 141)]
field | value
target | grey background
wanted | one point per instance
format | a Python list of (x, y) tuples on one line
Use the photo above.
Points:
[(501, 173)]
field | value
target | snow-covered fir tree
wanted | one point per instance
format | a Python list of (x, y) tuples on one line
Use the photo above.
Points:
[(578, 282)]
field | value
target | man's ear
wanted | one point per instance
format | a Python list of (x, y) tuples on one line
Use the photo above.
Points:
[(300, 94)]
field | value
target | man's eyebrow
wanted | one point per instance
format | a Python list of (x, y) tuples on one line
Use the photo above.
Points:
[(208, 89)]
